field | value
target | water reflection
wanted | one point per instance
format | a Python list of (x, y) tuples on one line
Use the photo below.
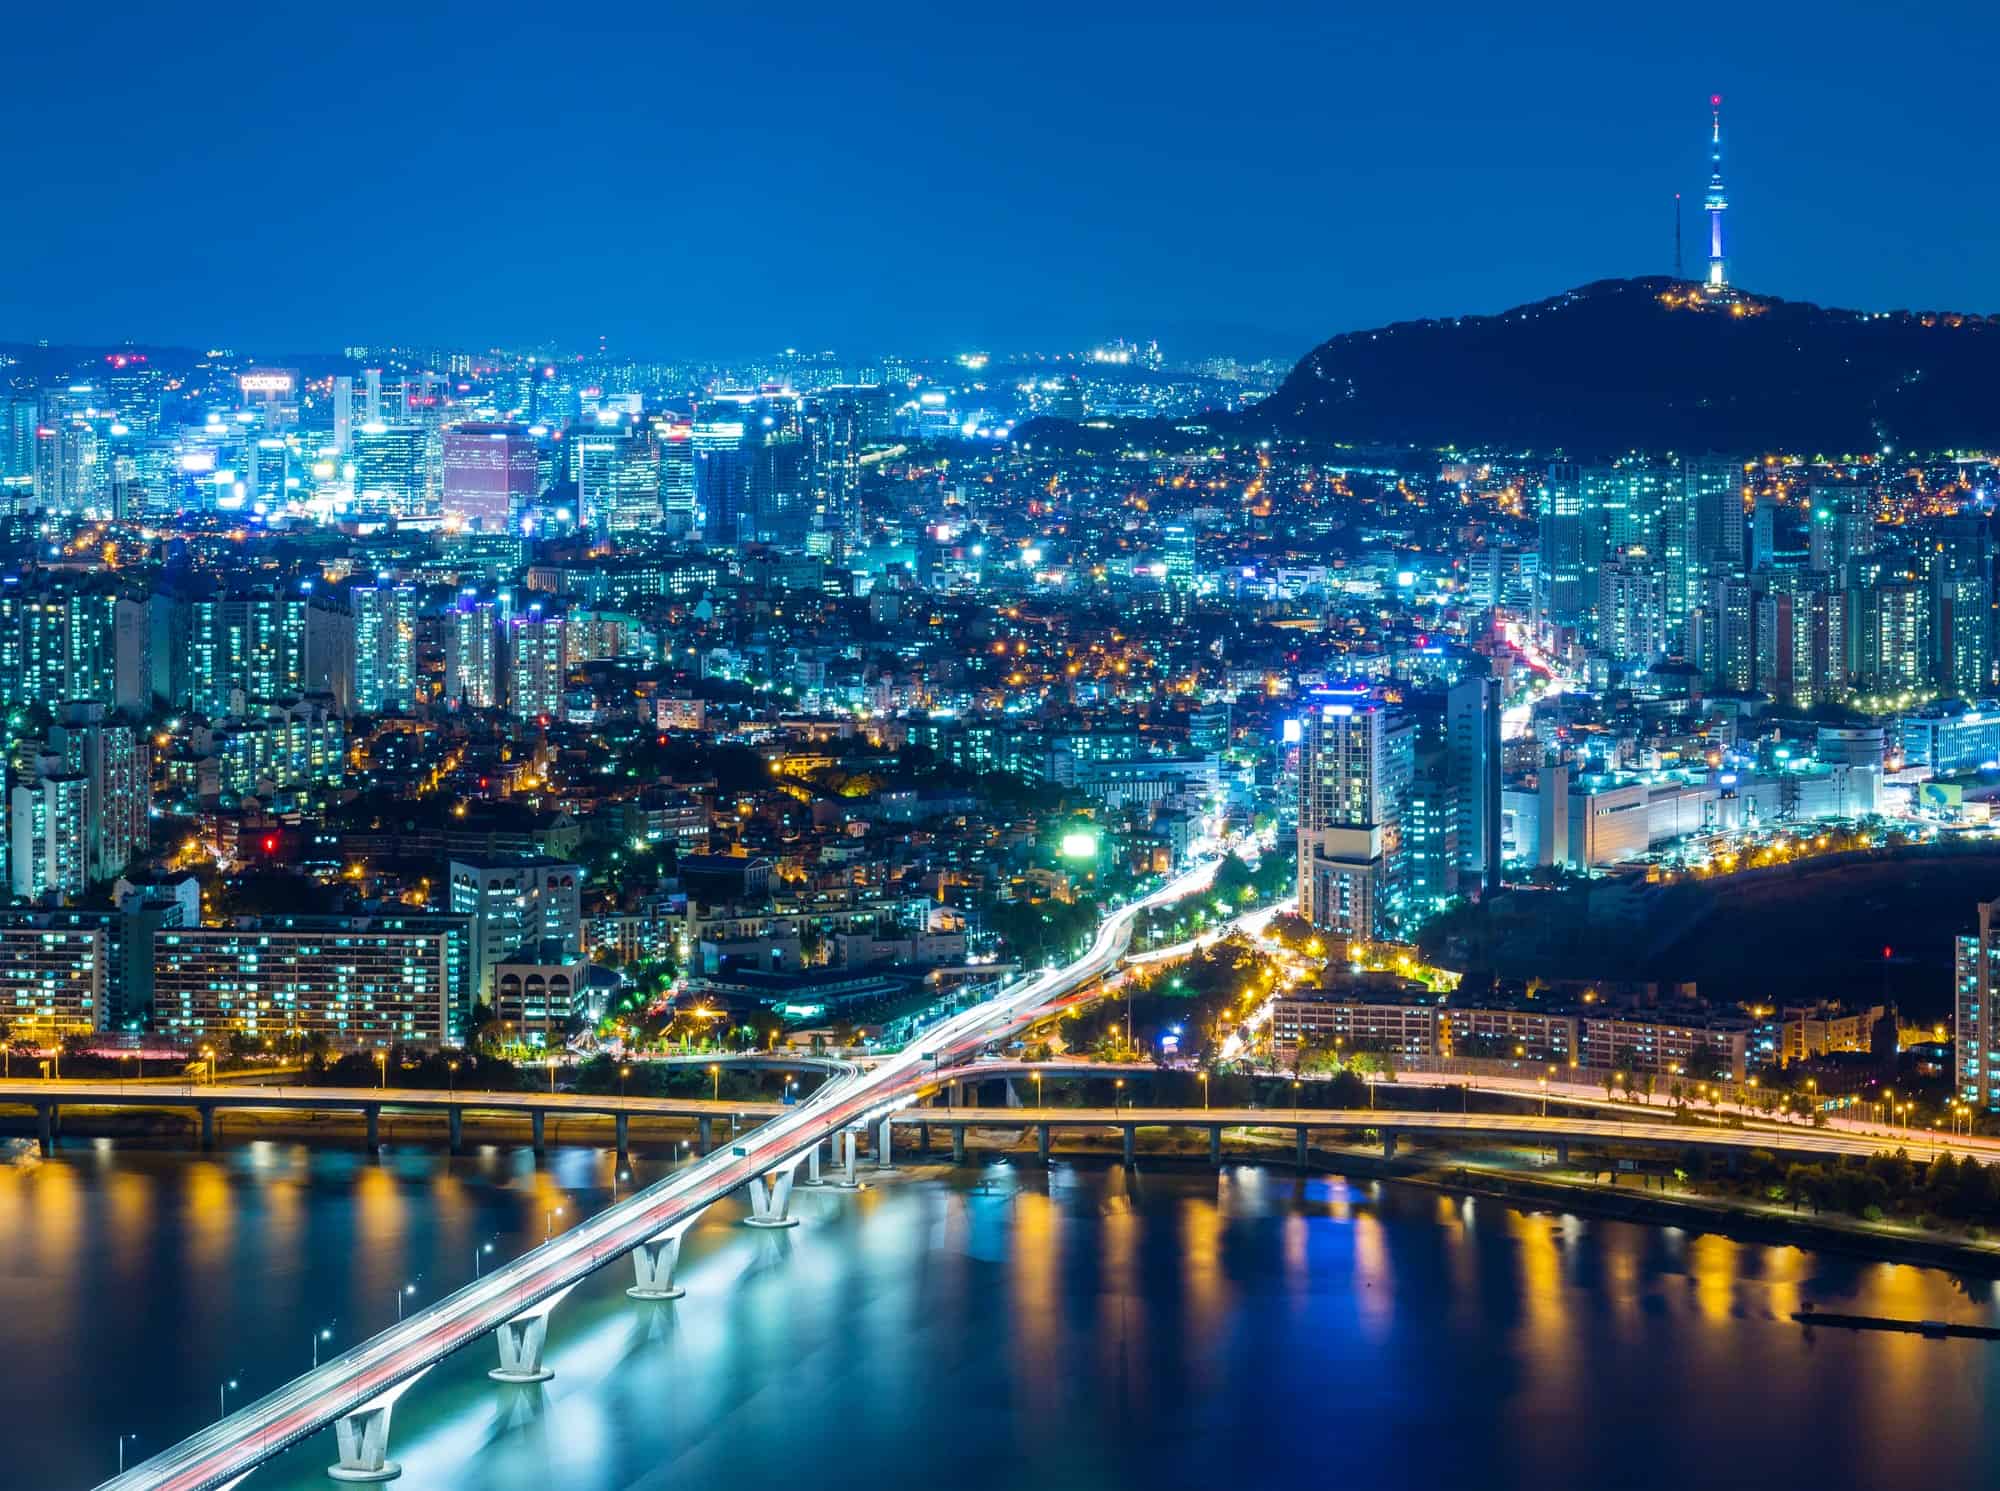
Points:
[(1013, 1326)]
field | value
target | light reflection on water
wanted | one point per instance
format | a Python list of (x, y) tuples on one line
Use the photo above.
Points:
[(997, 1327)]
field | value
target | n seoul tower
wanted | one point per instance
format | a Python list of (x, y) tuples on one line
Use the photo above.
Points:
[(1718, 201)]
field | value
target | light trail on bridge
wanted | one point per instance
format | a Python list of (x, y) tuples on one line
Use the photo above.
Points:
[(227, 1450)]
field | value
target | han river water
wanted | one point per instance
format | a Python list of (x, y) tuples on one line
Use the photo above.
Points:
[(983, 1329)]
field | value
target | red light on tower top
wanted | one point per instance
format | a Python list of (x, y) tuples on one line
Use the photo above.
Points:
[(1715, 100)]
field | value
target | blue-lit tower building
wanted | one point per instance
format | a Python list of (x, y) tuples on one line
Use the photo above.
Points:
[(1718, 200)]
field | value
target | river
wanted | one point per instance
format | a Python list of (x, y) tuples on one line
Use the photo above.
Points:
[(995, 1327)]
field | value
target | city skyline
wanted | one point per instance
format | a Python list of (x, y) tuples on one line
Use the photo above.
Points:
[(460, 187), (987, 743)]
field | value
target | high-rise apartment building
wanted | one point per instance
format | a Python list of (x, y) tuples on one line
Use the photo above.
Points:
[(385, 647), (537, 664), (1344, 819), (1977, 980), (472, 654), (245, 649)]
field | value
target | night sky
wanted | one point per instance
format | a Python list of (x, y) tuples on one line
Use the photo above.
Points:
[(722, 179)]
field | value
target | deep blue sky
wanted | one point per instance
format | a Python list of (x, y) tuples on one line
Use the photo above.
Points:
[(725, 178)]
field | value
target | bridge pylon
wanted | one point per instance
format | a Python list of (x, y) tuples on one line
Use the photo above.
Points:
[(362, 1439), (654, 1259), (521, 1341), (846, 1147), (771, 1196)]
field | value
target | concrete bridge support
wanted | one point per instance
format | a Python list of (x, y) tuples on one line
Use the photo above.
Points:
[(45, 1127), (362, 1439), (207, 1126), (813, 1179), (1215, 1144), (885, 1155), (771, 1198), (704, 1130), (1303, 1158), (622, 1126), (373, 1113), (958, 1144), (923, 1141), (521, 1341), (1042, 1141), (848, 1143), (457, 1119), (1389, 1138), (1131, 1141), (1562, 1152), (535, 1121), (653, 1261)]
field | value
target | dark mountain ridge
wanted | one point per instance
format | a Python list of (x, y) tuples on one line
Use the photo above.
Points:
[(1652, 364)]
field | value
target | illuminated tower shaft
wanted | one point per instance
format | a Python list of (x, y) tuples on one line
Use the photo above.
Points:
[(1718, 201)]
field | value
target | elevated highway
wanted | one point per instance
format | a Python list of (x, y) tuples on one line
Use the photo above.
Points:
[(356, 1391)]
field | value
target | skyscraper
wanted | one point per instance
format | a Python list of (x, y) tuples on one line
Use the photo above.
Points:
[(489, 475), (618, 482), (1472, 750)]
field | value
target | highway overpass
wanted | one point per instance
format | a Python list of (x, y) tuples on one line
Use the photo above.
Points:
[(47, 1099), (1393, 1126)]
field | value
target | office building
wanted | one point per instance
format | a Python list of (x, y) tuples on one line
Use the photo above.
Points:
[(490, 476)]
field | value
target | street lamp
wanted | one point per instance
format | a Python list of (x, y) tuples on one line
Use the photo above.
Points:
[(1038, 1089), (121, 1450), (401, 1294), (549, 1221), (1204, 1091), (1117, 1094), (1545, 1095), (222, 1392), (715, 1083), (382, 1061), (452, 1080), (478, 1253), (623, 1073), (324, 1333)]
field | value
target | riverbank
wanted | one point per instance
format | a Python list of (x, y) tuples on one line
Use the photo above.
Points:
[(1537, 1184)]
